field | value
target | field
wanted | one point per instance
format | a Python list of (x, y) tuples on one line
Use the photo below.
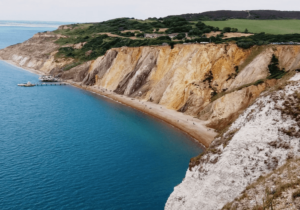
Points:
[(257, 26)]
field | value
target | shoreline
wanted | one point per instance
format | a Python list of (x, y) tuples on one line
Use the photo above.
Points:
[(191, 126)]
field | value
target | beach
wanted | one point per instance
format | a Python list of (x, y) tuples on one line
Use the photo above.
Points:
[(190, 125)]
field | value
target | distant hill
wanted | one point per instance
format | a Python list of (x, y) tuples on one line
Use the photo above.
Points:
[(250, 14)]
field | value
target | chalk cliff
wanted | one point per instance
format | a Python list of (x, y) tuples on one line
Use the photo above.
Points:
[(215, 83), (262, 140)]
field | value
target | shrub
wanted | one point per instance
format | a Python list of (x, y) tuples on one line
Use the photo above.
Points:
[(179, 29), (164, 38), (200, 25), (258, 82), (226, 29), (71, 65), (245, 45), (140, 35), (180, 36), (275, 72), (195, 32), (206, 30), (127, 34)]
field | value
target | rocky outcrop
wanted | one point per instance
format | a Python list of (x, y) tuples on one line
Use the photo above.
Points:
[(79, 45), (64, 27), (36, 53), (260, 141), (78, 73), (49, 34), (278, 190)]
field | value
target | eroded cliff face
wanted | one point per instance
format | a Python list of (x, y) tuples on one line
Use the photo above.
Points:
[(211, 82), (243, 164), (182, 78), (187, 77), (36, 53)]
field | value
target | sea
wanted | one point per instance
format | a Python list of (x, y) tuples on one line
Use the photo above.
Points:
[(66, 148)]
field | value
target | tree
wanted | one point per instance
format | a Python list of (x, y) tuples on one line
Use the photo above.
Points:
[(195, 32), (226, 29), (206, 30), (274, 66), (180, 36), (163, 38), (140, 35), (246, 30), (179, 29), (200, 25)]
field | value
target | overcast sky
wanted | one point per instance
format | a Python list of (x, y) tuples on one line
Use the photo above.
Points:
[(99, 10)]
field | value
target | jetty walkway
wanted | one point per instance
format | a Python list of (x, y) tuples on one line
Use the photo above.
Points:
[(49, 84), (28, 84)]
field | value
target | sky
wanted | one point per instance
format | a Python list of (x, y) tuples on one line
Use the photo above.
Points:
[(100, 10)]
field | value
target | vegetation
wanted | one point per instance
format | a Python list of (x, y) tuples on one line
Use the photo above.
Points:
[(252, 14), (100, 37), (71, 65), (263, 39), (174, 25), (114, 26), (180, 36), (140, 35), (126, 34), (258, 26), (152, 25), (228, 29), (254, 52), (98, 45), (275, 72)]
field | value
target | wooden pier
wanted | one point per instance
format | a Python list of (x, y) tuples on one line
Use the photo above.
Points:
[(49, 84), (41, 84)]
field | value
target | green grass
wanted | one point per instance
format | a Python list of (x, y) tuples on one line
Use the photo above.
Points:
[(257, 26)]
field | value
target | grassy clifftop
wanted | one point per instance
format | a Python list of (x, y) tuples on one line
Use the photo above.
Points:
[(258, 26), (243, 14), (84, 42)]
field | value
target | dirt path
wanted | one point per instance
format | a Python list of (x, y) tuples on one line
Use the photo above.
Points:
[(115, 35)]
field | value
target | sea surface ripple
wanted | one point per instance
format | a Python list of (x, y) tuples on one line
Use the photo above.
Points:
[(65, 148)]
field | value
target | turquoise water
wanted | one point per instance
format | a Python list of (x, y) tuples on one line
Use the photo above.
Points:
[(65, 148)]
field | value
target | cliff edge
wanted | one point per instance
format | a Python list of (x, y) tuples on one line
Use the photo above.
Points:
[(258, 145)]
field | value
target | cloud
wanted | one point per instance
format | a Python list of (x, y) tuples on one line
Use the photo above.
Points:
[(99, 10)]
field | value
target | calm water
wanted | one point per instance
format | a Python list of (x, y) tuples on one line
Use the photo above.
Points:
[(65, 148)]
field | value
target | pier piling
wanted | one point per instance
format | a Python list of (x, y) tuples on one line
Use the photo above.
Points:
[(49, 84)]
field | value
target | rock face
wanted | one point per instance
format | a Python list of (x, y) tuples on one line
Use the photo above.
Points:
[(36, 53), (280, 190), (262, 139), (184, 78), (78, 73)]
